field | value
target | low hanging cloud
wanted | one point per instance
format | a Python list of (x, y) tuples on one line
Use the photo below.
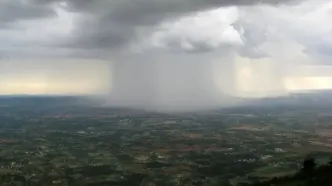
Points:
[(251, 27), (11, 11), (205, 30), (108, 24)]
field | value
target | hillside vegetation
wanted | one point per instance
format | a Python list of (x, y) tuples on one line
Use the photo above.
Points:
[(309, 175)]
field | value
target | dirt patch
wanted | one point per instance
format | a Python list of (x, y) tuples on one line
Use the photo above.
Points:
[(8, 141), (251, 128), (277, 174), (324, 133), (315, 147), (321, 144), (192, 136)]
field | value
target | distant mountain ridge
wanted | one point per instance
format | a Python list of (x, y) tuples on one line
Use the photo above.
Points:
[(305, 99), (309, 98)]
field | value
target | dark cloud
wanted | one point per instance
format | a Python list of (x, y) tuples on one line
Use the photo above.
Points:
[(47, 52), (13, 10), (110, 24), (323, 47), (321, 50), (113, 23), (254, 34)]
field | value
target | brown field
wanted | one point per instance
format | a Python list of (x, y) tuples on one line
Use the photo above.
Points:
[(321, 144), (301, 131), (318, 147), (324, 133), (251, 128), (277, 174), (8, 141), (193, 136)]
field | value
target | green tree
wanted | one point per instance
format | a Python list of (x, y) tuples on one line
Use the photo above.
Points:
[(309, 165)]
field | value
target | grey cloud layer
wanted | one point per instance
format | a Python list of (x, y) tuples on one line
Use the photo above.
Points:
[(113, 23), (107, 25), (12, 10)]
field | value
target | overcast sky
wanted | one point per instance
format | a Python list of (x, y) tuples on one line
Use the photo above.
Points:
[(167, 52)]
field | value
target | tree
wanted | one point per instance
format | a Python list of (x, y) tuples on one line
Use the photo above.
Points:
[(309, 166), (330, 162)]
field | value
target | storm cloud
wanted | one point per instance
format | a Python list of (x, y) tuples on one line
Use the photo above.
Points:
[(111, 24), (11, 11), (176, 54)]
